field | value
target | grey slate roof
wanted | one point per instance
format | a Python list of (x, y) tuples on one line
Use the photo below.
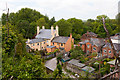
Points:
[(60, 39), (116, 46), (92, 34), (45, 34), (117, 37), (76, 63), (87, 68), (84, 42), (36, 40), (107, 45), (50, 46), (96, 41)]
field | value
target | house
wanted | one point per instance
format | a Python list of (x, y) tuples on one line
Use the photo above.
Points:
[(92, 45), (63, 43), (107, 50), (49, 39)]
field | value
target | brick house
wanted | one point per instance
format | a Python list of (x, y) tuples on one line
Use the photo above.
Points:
[(92, 45), (62, 42), (45, 39), (107, 50)]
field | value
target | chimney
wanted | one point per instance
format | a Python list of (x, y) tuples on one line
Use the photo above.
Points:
[(38, 30), (52, 30), (57, 32), (28, 40), (70, 35), (43, 27)]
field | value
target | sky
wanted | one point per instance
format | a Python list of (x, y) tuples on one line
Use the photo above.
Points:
[(80, 9)]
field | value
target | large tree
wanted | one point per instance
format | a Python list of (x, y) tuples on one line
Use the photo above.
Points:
[(65, 28)]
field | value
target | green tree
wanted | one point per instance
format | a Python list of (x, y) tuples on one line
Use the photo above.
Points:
[(65, 28)]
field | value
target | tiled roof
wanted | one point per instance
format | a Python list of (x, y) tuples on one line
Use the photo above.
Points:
[(83, 42), (60, 39), (35, 40), (44, 33), (107, 45), (97, 41), (117, 37), (116, 46), (76, 63), (92, 34)]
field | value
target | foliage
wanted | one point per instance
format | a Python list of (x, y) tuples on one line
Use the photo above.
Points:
[(65, 28), (16, 62), (58, 72)]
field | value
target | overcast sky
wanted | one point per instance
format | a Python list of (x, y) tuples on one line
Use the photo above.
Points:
[(81, 9)]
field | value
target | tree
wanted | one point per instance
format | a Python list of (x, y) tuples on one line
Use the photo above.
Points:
[(65, 28), (58, 72), (52, 21), (41, 22)]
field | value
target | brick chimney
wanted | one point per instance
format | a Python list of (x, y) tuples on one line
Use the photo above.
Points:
[(57, 32), (70, 35), (52, 30), (38, 30), (43, 27)]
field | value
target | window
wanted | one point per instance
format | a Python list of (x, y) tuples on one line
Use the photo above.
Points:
[(37, 43), (61, 44), (105, 51), (33, 44), (104, 54), (94, 48), (53, 43), (88, 46), (117, 52), (44, 42), (87, 51), (80, 45), (109, 51), (47, 41)]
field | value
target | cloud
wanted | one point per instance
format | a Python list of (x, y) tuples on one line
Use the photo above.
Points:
[(82, 9)]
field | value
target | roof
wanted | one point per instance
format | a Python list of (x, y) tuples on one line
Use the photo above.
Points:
[(116, 37), (107, 45), (50, 46), (116, 46), (97, 41), (83, 42), (76, 63), (92, 34), (45, 34), (87, 68), (60, 39), (66, 58), (35, 40)]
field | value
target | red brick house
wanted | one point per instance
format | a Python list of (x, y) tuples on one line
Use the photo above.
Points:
[(63, 43), (93, 45), (107, 50)]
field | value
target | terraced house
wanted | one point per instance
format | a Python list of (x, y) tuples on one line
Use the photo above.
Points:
[(92, 44), (49, 39)]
